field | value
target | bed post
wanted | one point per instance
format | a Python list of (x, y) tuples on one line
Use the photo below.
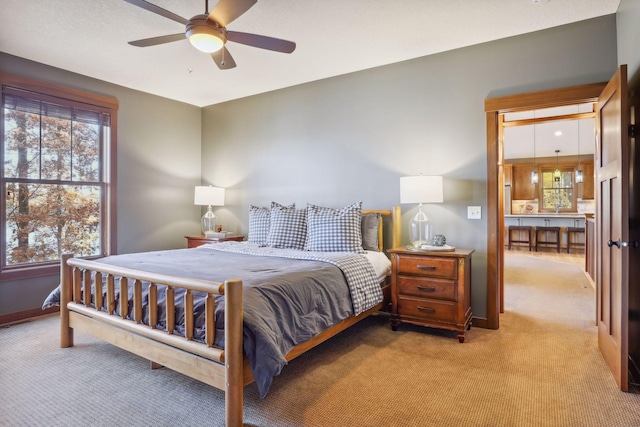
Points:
[(66, 286), (233, 356), (396, 227)]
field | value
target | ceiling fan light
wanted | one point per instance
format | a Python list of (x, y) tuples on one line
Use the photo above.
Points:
[(205, 35), (204, 42)]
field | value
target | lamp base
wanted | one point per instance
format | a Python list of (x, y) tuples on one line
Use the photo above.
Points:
[(208, 222), (420, 229)]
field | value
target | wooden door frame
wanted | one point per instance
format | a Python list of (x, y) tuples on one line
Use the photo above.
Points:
[(493, 107)]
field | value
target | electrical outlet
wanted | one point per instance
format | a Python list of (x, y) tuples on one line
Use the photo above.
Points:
[(474, 212)]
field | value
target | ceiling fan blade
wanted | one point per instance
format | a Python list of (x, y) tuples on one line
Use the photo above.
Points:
[(227, 11), (223, 59), (263, 42), (158, 40), (157, 9)]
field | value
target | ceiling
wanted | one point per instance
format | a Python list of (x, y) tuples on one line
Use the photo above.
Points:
[(333, 37), (571, 137)]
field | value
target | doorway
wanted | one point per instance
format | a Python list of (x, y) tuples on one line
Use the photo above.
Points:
[(495, 171), (549, 182)]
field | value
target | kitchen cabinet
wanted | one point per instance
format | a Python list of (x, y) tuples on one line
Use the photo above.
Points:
[(521, 186), (587, 187), (508, 173)]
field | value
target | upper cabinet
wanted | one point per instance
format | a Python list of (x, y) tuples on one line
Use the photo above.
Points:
[(508, 173), (586, 190), (521, 186)]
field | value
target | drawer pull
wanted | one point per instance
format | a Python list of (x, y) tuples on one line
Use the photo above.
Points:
[(426, 289), (427, 309), (426, 267)]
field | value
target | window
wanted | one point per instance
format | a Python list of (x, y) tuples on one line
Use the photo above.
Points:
[(557, 191), (57, 177)]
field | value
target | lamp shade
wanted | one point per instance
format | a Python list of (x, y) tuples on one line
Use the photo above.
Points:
[(421, 189), (209, 196)]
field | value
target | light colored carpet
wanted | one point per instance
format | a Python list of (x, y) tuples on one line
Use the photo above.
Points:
[(541, 368)]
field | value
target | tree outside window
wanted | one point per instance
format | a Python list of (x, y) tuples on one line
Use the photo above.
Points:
[(54, 153)]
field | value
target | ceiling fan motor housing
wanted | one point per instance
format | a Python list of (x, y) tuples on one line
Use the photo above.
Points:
[(205, 34)]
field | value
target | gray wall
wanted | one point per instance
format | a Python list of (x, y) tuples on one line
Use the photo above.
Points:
[(352, 137), (628, 28), (158, 167)]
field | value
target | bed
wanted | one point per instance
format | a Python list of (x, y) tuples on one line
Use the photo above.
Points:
[(198, 325)]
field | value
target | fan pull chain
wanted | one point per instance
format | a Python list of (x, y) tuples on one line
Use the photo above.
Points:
[(222, 62)]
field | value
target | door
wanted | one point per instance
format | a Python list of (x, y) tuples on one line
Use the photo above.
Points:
[(612, 225)]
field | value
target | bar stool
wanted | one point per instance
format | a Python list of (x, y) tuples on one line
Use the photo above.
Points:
[(571, 231), (519, 229), (548, 232)]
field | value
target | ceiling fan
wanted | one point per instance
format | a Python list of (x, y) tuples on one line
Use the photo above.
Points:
[(208, 32)]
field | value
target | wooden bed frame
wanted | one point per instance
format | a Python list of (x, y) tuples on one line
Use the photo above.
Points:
[(227, 369)]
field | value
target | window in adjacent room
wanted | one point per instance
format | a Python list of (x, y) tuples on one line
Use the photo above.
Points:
[(558, 193), (57, 177)]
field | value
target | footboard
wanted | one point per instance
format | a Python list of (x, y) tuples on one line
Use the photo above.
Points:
[(80, 308)]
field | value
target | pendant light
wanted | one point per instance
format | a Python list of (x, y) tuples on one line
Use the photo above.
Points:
[(579, 173), (534, 172), (557, 174)]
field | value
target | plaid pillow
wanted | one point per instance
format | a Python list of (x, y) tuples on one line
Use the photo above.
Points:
[(258, 225), (288, 227), (334, 230)]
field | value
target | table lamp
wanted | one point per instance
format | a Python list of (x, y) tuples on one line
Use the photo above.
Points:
[(420, 189), (208, 196)]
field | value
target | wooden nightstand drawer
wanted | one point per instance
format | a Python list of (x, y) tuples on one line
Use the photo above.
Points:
[(428, 310), (428, 266), (427, 287), (431, 289)]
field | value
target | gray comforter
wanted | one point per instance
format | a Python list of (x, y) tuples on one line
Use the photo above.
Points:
[(285, 301)]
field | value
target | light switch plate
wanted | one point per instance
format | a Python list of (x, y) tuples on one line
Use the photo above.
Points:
[(474, 212)]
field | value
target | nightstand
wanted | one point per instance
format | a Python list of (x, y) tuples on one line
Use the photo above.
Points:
[(431, 288), (195, 241)]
